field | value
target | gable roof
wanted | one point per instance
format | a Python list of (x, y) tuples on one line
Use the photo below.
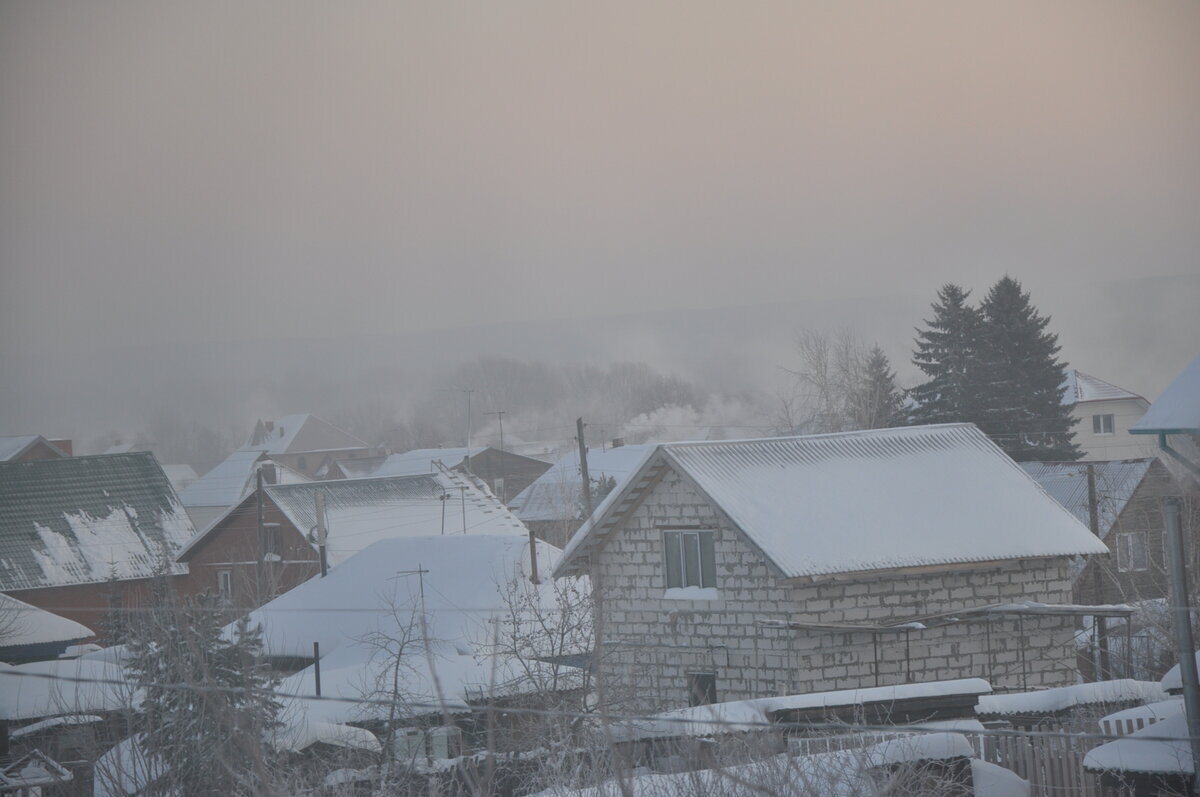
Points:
[(82, 520), (301, 432), (26, 625), (359, 512), (421, 460), (233, 479), (556, 494), (461, 589), (1177, 410), (1067, 483), (13, 447), (1079, 387), (860, 501)]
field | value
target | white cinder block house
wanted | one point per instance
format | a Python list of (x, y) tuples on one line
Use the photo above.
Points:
[(742, 569)]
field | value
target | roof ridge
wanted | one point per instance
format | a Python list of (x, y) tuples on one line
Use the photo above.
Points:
[(823, 435)]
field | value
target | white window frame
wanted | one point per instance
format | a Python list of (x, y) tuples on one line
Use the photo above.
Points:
[(1127, 558), (689, 558), (1099, 422), (225, 584)]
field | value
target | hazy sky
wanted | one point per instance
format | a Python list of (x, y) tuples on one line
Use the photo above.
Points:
[(213, 170)]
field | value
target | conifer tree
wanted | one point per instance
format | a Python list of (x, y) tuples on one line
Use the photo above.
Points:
[(947, 352), (1021, 378), (878, 401), (208, 709)]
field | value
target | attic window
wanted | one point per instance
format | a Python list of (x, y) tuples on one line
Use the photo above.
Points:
[(689, 559), (1102, 424), (1133, 552)]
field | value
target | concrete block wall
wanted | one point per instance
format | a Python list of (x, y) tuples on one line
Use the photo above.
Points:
[(650, 644)]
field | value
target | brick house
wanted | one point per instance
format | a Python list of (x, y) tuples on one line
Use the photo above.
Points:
[(81, 535), (505, 473), (735, 570), (25, 448), (1129, 497), (230, 558)]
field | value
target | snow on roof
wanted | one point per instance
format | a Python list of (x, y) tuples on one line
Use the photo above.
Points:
[(1078, 387), (1161, 748), (748, 715), (1177, 409), (363, 607), (12, 447), (180, 476), (85, 520), (1067, 483), (359, 512), (1172, 681), (301, 432), (421, 460), (233, 479), (28, 625), (1049, 701), (63, 686), (556, 494), (862, 501), (919, 747), (1155, 712)]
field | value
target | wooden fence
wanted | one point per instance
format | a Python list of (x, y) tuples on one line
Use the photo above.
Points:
[(1053, 765)]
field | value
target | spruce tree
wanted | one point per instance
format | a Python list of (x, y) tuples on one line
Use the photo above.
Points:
[(878, 402), (207, 709), (1021, 378), (947, 352)]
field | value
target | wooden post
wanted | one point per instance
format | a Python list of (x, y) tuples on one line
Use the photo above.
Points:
[(260, 564), (317, 666), (1101, 635), (583, 469)]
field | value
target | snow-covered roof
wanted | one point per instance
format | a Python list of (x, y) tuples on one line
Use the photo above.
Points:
[(233, 479), (81, 520), (1050, 701), (359, 512), (421, 460), (180, 476), (754, 714), (1177, 409), (63, 686), (1152, 712), (22, 625), (1162, 748), (862, 501), (1079, 387), (1067, 483), (457, 584), (1172, 681), (301, 432), (556, 494), (15, 446)]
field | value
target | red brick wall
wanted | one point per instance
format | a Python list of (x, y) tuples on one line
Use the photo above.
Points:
[(233, 545), (89, 603)]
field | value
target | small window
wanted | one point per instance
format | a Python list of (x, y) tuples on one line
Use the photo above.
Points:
[(225, 584), (689, 559), (1102, 424), (702, 688), (1133, 552)]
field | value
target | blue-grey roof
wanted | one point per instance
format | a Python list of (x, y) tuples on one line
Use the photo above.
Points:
[(1177, 410), (82, 520), (1067, 483), (557, 493)]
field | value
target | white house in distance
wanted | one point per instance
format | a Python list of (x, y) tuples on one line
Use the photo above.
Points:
[(743, 569), (1105, 414)]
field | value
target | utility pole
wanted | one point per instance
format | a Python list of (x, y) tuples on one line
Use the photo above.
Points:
[(1103, 662), (260, 563), (503, 484), (583, 469), (1182, 612), (322, 533)]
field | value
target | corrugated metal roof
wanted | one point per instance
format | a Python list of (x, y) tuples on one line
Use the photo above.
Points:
[(82, 520), (361, 511), (233, 479), (1177, 410), (556, 494), (1078, 386), (873, 500), (1067, 483), (421, 460)]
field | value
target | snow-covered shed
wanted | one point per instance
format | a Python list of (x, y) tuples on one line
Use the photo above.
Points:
[(418, 626), (79, 534), (758, 567)]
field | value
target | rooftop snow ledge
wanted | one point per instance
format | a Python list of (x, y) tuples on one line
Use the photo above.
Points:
[(692, 594)]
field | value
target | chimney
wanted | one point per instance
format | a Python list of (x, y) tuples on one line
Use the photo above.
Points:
[(617, 442), (270, 476)]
